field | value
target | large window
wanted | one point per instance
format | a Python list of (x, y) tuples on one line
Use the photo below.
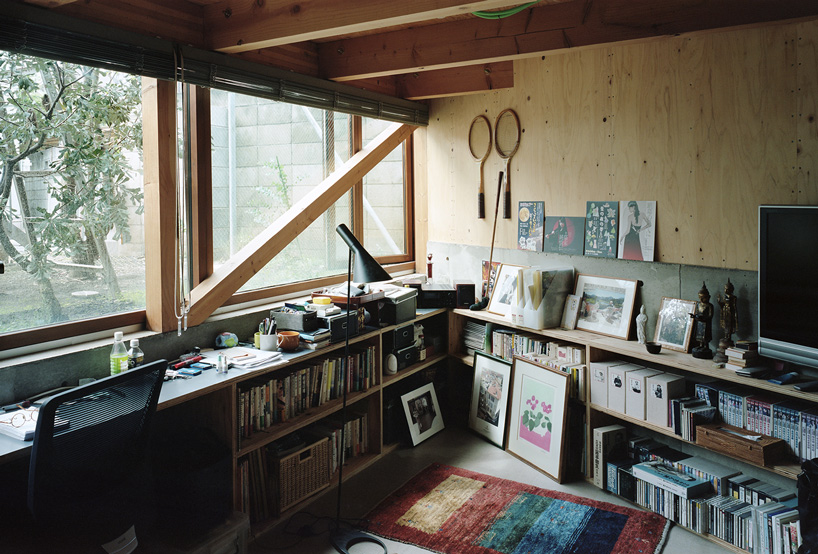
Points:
[(71, 227), (266, 155)]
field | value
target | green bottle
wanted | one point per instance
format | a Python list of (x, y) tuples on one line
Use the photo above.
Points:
[(119, 355)]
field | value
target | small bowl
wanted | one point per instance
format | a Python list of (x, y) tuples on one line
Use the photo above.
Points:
[(653, 347)]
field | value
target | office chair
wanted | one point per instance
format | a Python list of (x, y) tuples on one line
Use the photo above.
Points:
[(89, 484)]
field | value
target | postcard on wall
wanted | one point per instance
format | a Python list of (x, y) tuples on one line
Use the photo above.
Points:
[(564, 235), (530, 225), (638, 229), (601, 224)]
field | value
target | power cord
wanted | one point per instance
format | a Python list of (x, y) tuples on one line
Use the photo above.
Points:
[(504, 13)]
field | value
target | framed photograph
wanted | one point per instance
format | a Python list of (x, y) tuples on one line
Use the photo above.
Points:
[(489, 397), (422, 413), (606, 305), (570, 312), (489, 278), (674, 326), (505, 289), (538, 404)]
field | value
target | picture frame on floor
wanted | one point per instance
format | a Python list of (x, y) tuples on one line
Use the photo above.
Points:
[(537, 416), (489, 397), (606, 305), (423, 413)]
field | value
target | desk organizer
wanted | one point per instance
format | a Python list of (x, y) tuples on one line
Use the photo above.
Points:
[(299, 321), (300, 474)]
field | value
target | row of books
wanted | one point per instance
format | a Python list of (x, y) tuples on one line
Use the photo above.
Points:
[(793, 421), (280, 397), (687, 412), (693, 491), (259, 484)]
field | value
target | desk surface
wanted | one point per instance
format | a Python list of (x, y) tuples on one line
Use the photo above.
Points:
[(179, 391)]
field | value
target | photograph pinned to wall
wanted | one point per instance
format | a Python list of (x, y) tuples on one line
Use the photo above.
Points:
[(422, 413), (505, 290), (637, 230), (674, 325), (606, 305), (564, 235), (489, 397), (570, 312), (489, 276), (538, 403), (530, 225), (601, 225)]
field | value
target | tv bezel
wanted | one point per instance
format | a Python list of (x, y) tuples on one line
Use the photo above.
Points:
[(777, 349)]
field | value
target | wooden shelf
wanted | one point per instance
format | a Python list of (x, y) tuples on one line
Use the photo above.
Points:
[(411, 370), (789, 471), (313, 415)]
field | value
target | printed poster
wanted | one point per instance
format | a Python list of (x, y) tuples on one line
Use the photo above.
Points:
[(601, 225), (530, 225), (637, 231), (564, 235)]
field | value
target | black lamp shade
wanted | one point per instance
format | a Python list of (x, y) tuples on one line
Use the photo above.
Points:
[(366, 269)]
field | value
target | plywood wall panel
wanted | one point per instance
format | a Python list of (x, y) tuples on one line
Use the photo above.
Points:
[(707, 125), (807, 118)]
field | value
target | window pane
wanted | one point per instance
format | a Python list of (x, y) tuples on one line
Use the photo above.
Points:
[(384, 205), (71, 200), (266, 156)]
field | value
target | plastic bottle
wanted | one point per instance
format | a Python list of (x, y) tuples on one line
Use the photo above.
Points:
[(135, 355), (119, 355)]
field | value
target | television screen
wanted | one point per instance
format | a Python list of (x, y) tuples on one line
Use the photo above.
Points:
[(788, 283)]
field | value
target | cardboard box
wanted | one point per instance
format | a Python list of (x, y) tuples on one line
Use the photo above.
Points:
[(660, 390), (635, 393), (617, 384), (599, 381)]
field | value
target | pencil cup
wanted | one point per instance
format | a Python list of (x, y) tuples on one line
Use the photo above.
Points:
[(267, 342)]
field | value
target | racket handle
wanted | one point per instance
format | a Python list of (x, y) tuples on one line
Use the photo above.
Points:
[(481, 205), (507, 205)]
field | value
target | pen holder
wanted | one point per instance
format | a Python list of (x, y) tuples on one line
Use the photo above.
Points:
[(268, 342)]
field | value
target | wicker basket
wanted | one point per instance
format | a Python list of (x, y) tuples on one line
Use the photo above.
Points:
[(300, 474)]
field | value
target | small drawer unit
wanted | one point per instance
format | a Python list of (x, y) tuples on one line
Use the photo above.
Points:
[(403, 336), (406, 356), (337, 324)]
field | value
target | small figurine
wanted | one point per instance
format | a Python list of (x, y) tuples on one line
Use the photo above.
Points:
[(728, 321), (702, 321), (641, 322), (429, 267)]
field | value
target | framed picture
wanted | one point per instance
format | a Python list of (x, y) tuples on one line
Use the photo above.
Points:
[(606, 305), (674, 324), (539, 400), (489, 278), (422, 413), (570, 312), (489, 397), (505, 289)]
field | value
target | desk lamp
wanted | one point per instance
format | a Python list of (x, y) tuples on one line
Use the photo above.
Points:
[(367, 270)]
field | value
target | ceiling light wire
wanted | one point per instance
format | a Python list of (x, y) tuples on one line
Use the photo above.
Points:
[(504, 13)]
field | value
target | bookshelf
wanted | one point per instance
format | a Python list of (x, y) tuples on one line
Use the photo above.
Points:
[(600, 348), (253, 484)]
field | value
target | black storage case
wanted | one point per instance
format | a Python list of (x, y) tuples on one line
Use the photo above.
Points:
[(337, 325), (403, 336), (437, 296), (397, 309), (406, 356)]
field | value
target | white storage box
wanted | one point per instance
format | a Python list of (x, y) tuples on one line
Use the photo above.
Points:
[(635, 395), (617, 384)]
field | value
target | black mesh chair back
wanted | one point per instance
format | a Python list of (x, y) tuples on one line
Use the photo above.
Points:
[(86, 476)]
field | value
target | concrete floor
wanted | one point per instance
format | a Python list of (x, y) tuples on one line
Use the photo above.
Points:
[(309, 532)]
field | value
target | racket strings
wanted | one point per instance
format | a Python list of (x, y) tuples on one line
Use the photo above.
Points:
[(507, 137), (480, 138)]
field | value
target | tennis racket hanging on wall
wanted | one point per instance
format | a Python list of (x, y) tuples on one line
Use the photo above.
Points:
[(480, 148), (506, 142)]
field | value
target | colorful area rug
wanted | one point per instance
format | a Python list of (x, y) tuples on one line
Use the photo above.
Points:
[(452, 510)]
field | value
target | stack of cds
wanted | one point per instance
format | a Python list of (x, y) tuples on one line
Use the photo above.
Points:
[(474, 334)]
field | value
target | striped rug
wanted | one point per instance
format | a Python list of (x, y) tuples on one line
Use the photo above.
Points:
[(451, 510)]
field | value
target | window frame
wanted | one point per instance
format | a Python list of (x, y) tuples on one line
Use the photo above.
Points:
[(159, 149)]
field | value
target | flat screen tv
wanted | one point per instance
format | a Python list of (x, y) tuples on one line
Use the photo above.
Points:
[(788, 284)]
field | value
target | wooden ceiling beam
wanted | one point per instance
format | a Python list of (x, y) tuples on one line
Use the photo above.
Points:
[(540, 30), (239, 25), (458, 81), (215, 290)]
